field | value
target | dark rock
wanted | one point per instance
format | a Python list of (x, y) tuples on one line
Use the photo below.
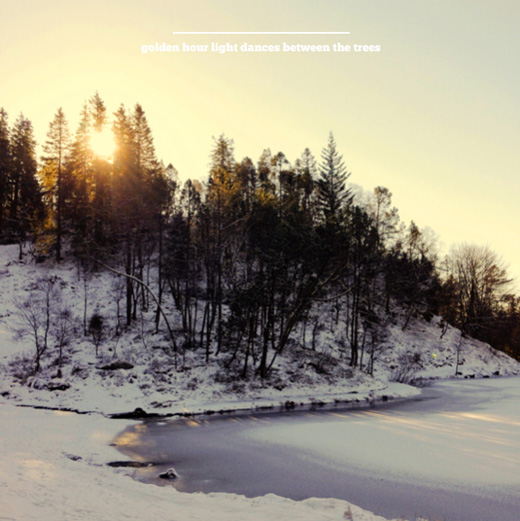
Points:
[(55, 386), (72, 457), (130, 464), (137, 414), (116, 364), (169, 474)]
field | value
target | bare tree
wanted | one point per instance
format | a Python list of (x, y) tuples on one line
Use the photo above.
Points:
[(61, 329), (35, 314), (481, 281)]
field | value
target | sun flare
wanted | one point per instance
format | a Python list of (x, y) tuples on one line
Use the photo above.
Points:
[(102, 143)]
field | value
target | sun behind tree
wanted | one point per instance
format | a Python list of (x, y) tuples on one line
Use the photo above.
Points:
[(102, 143)]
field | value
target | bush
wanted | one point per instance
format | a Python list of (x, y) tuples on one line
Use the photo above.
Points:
[(409, 365), (96, 329)]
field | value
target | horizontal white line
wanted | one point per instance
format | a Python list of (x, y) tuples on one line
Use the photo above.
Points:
[(256, 32)]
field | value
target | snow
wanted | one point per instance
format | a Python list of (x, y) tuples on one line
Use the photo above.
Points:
[(40, 481)]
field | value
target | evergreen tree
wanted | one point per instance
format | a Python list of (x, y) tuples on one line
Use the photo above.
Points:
[(80, 165), (245, 183), (97, 112), (5, 167), (145, 158), (26, 207), (216, 221), (101, 198), (56, 149), (333, 194), (307, 174), (307, 164), (265, 173)]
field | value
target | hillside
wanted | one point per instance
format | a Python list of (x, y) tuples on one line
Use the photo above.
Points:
[(300, 375)]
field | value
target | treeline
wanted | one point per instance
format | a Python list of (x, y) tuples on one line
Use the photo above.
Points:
[(260, 256)]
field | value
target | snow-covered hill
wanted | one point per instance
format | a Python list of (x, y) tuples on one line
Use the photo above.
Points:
[(423, 350)]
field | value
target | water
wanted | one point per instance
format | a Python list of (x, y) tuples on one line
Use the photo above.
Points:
[(335, 454)]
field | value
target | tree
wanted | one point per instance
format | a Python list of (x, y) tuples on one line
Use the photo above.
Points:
[(25, 196), (145, 159), (216, 221), (307, 173), (56, 147), (5, 166), (98, 112), (384, 215), (101, 189), (245, 184), (333, 194), (35, 314), (307, 164), (80, 167), (96, 327), (481, 281)]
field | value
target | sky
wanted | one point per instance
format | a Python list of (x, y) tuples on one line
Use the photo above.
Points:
[(433, 116)]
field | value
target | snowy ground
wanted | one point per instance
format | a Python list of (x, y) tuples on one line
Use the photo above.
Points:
[(38, 481)]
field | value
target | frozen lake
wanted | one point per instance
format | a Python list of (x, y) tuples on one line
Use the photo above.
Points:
[(453, 454)]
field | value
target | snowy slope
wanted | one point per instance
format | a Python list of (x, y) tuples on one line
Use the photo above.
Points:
[(153, 383)]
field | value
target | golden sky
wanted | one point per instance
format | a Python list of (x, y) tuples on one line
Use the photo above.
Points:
[(433, 116)]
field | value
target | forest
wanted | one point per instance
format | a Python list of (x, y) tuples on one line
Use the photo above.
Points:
[(255, 258)]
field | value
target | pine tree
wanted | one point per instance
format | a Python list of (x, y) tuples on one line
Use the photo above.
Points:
[(56, 149), (101, 203), (219, 216), (307, 173), (265, 173), (145, 158), (333, 194), (81, 167), (245, 183), (25, 206), (98, 112), (307, 164), (5, 167)]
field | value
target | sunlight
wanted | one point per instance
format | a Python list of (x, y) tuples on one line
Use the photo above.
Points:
[(102, 143)]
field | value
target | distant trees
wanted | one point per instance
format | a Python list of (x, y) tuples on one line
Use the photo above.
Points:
[(477, 284)]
